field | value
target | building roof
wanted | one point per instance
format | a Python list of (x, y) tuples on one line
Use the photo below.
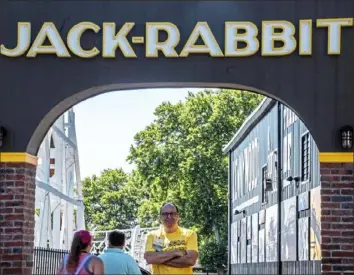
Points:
[(261, 110)]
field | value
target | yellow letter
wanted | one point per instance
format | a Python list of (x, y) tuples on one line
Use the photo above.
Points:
[(249, 37), (57, 46), (210, 46), (334, 32), (269, 37), (23, 41), (111, 40), (152, 39), (305, 37), (74, 37)]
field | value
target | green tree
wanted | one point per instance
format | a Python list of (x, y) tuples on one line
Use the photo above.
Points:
[(179, 157), (111, 200), (213, 255)]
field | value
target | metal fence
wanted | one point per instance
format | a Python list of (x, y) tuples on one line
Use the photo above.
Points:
[(46, 261)]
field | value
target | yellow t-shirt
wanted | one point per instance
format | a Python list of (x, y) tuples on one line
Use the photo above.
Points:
[(159, 240)]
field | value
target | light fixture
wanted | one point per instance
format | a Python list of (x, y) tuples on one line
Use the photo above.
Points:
[(346, 134), (2, 135), (290, 178), (239, 214), (296, 179)]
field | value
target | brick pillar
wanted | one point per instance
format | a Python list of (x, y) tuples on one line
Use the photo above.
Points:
[(17, 205), (337, 218)]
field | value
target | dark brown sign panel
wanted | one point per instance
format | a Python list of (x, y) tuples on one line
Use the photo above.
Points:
[(55, 54)]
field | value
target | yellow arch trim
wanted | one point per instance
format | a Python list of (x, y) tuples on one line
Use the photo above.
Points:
[(324, 157), (18, 158), (337, 157)]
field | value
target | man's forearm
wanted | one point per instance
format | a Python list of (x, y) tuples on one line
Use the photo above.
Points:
[(184, 261), (158, 257)]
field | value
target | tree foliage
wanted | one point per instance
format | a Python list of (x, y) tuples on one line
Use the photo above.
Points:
[(111, 200), (213, 254)]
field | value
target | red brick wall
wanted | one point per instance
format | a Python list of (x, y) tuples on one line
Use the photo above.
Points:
[(17, 204), (337, 219)]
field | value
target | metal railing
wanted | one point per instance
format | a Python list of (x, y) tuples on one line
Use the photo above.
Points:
[(46, 261)]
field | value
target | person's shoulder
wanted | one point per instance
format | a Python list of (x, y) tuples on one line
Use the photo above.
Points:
[(129, 258), (153, 233), (99, 256), (96, 259), (187, 232)]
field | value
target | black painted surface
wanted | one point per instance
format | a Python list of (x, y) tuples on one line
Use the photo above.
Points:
[(319, 87)]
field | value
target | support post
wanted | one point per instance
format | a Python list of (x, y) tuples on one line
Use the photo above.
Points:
[(337, 216), (17, 210)]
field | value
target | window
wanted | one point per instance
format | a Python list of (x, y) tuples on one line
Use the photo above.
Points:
[(272, 168), (287, 155), (264, 178), (305, 157), (235, 183)]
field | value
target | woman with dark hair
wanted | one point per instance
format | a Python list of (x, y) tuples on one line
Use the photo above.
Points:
[(80, 261)]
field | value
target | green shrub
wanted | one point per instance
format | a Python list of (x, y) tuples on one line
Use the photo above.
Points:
[(213, 256)]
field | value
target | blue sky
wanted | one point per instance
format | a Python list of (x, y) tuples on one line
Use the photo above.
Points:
[(106, 125)]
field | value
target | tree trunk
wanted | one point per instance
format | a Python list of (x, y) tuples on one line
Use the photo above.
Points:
[(215, 227), (216, 232)]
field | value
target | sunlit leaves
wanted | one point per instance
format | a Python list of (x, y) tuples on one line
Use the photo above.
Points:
[(112, 199)]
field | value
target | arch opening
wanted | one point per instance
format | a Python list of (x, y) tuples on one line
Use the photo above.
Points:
[(68, 103)]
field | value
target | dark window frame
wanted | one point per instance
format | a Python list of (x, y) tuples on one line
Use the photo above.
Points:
[(264, 178), (305, 151)]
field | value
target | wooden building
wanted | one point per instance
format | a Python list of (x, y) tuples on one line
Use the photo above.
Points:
[(272, 231)]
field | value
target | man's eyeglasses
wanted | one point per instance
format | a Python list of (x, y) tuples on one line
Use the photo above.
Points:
[(166, 214)]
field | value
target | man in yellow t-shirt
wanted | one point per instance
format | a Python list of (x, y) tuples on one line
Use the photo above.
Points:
[(171, 249)]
